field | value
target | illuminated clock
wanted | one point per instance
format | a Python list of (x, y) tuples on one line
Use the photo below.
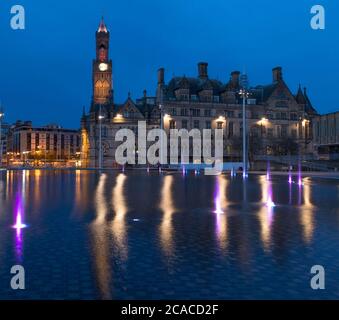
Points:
[(103, 66)]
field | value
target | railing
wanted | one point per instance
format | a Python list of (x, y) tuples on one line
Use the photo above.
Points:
[(305, 161)]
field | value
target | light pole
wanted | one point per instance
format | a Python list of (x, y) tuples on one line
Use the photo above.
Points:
[(1, 116), (101, 117), (245, 94)]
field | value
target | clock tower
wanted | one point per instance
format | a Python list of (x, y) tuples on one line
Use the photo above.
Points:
[(102, 68)]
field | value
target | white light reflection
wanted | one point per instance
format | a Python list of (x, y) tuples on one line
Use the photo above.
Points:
[(220, 204), (265, 214), (120, 208), (101, 240), (168, 208), (307, 211)]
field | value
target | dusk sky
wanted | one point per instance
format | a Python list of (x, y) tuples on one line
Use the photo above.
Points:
[(46, 69)]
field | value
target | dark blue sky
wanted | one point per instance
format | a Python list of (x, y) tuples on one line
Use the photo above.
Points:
[(46, 69)]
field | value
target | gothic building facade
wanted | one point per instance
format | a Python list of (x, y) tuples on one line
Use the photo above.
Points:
[(278, 121)]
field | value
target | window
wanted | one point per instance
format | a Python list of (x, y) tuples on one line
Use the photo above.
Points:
[(294, 116), (270, 133), (284, 116), (281, 104), (230, 129), (194, 97), (48, 141), (37, 140), (294, 133), (55, 142), (207, 112), (184, 112), (229, 114), (29, 141), (196, 112), (254, 115), (219, 125), (284, 130), (251, 101), (215, 98), (173, 111), (62, 141), (208, 125), (172, 124), (196, 124), (184, 124)]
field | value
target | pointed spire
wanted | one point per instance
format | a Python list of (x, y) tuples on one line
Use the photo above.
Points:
[(300, 97), (309, 106), (102, 26)]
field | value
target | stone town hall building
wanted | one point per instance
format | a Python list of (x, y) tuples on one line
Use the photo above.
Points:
[(278, 121)]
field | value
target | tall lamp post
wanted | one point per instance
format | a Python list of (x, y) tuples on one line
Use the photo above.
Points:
[(101, 117), (161, 107), (244, 94), (1, 116)]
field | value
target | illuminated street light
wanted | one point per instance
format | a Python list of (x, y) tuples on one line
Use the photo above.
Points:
[(262, 124), (304, 122)]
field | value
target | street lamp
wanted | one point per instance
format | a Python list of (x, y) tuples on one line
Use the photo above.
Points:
[(1, 116), (262, 123), (244, 94), (101, 117)]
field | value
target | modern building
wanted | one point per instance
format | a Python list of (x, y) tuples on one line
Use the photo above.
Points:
[(326, 135), (47, 144), (278, 121)]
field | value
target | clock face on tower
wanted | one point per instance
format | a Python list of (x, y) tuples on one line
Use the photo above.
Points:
[(103, 66)]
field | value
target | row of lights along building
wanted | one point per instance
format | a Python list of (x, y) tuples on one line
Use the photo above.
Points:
[(278, 121)]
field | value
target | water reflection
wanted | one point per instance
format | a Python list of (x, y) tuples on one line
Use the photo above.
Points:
[(120, 208), (306, 210), (221, 203), (265, 214), (168, 208), (37, 190), (19, 213), (81, 188), (101, 241), (2, 194)]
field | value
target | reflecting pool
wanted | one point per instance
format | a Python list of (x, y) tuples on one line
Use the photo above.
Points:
[(151, 235)]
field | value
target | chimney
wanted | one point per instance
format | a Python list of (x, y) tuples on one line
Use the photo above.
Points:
[(235, 79), (277, 74), (145, 93), (161, 76), (202, 70)]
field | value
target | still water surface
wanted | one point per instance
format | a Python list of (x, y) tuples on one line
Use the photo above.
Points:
[(133, 235)]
